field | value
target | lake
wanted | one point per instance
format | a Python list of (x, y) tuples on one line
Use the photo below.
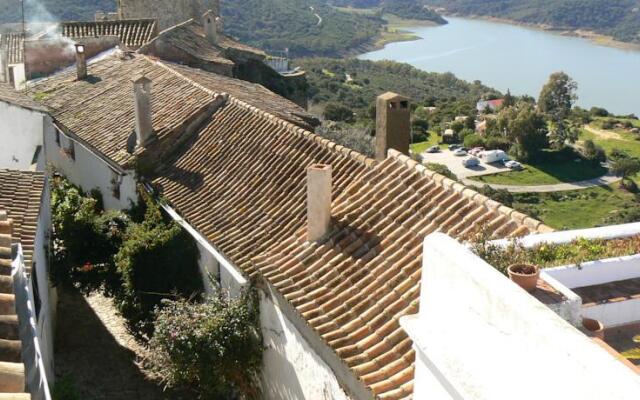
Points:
[(521, 59)]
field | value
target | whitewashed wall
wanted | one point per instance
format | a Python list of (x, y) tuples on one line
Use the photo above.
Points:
[(89, 171), (21, 132), (480, 336), (48, 295), (291, 368)]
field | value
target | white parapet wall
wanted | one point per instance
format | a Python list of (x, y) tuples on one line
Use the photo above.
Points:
[(479, 336)]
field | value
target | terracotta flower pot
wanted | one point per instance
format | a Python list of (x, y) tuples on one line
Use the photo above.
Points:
[(525, 275), (593, 327)]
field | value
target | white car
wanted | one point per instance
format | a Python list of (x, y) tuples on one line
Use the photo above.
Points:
[(459, 153), (470, 162), (513, 165)]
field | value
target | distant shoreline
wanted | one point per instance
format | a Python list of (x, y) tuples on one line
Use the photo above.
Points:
[(594, 37)]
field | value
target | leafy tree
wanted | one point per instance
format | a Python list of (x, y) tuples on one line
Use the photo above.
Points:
[(524, 127), (593, 152), (625, 166), (337, 112), (419, 130), (556, 101), (509, 100), (473, 140)]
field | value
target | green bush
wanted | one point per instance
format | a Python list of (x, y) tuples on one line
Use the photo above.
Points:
[(473, 140), (213, 347), (157, 260), (442, 170), (337, 112)]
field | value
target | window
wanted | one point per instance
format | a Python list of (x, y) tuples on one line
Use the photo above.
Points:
[(36, 291), (69, 150), (58, 137), (116, 182)]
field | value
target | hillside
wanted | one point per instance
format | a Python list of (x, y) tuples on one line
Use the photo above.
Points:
[(355, 84), (409, 9), (617, 18), (305, 27)]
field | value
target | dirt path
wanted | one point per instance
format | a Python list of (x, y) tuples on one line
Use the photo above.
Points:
[(94, 349), (603, 134)]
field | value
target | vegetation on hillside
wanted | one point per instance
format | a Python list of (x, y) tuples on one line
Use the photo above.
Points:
[(617, 18), (52, 10), (409, 9)]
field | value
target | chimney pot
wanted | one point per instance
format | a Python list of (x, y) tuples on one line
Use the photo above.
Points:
[(210, 22), (393, 124), (319, 186), (142, 105), (81, 62)]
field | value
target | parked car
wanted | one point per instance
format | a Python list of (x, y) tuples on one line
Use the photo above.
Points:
[(470, 162), (453, 147), (513, 165), (476, 151), (459, 153), (433, 149)]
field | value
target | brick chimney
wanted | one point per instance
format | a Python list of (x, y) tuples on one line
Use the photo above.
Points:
[(393, 124), (81, 62), (211, 27), (4, 65), (142, 105), (319, 185)]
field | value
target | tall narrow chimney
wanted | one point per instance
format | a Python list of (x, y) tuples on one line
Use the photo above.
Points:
[(319, 182), (142, 105), (211, 27), (81, 62), (393, 124), (4, 65)]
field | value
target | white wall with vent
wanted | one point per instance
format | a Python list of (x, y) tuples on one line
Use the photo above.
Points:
[(21, 132)]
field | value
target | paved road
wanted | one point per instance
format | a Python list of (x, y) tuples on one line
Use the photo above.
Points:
[(559, 187)]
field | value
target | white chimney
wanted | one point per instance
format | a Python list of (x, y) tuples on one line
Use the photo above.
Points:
[(142, 105), (319, 185), (81, 62), (4, 65), (211, 27)]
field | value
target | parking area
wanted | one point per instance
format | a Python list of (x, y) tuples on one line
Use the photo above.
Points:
[(454, 163)]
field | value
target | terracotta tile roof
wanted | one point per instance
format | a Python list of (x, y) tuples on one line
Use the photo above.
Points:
[(12, 379), (610, 292), (9, 95), (242, 184), (14, 44), (132, 33), (241, 181), (99, 111), (353, 288), (20, 197), (189, 37)]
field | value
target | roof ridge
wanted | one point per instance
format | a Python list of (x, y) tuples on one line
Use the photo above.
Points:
[(470, 193), (291, 127)]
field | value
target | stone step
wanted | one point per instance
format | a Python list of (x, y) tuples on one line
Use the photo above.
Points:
[(9, 328), (6, 284), (10, 350), (7, 304), (11, 377)]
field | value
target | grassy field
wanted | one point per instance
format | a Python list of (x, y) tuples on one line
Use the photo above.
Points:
[(576, 209), (421, 147), (625, 141), (551, 171)]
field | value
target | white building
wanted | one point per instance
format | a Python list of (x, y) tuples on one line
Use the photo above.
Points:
[(22, 123)]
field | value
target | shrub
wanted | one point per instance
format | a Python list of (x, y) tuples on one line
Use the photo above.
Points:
[(473, 140), (157, 260), (593, 153), (608, 124), (497, 143), (442, 170), (337, 112), (599, 112), (500, 195), (214, 347)]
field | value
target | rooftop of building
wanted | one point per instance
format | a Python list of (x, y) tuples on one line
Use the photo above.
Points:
[(99, 110), (21, 197), (132, 33), (8, 94), (12, 378), (13, 43)]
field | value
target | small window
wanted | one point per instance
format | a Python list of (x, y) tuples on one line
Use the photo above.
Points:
[(36, 291), (69, 150), (392, 105), (116, 182), (58, 138), (404, 104)]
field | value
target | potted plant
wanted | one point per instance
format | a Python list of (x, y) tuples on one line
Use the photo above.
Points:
[(525, 275), (593, 327)]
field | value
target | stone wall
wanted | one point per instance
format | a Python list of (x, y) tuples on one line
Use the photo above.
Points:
[(167, 12)]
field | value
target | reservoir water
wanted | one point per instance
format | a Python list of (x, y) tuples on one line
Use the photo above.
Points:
[(521, 59)]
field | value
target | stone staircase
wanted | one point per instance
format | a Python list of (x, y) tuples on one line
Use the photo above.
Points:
[(12, 373)]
